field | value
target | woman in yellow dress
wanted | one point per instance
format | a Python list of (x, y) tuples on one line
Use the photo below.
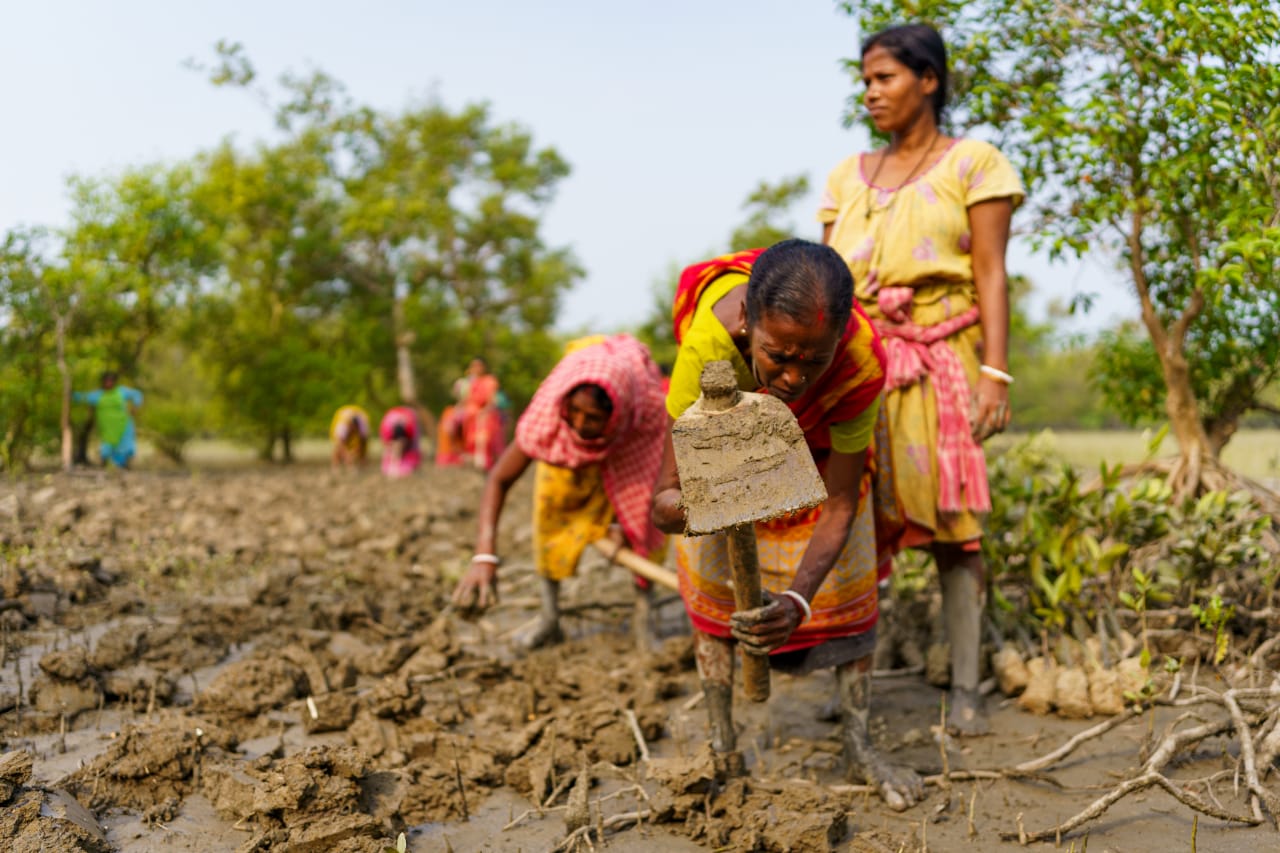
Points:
[(923, 224), (349, 435)]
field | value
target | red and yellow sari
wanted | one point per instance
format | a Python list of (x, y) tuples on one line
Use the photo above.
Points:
[(846, 604)]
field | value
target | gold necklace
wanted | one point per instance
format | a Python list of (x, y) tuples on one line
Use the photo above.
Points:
[(872, 189)]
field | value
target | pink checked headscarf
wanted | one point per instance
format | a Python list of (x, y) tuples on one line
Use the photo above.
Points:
[(630, 450)]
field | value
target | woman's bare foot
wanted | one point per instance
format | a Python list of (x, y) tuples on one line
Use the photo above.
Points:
[(900, 787)]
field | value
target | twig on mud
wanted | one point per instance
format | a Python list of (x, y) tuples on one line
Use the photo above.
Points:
[(544, 810), (1071, 745), (614, 822), (905, 672), (1259, 656), (457, 776), (962, 776), (635, 730), (1246, 754), (1171, 743), (451, 671), (1139, 783), (945, 781), (777, 786), (379, 628), (523, 626), (694, 701)]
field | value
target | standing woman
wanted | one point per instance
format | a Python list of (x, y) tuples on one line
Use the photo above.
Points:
[(923, 224)]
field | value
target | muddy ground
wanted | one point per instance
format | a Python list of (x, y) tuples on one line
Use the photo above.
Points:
[(262, 660)]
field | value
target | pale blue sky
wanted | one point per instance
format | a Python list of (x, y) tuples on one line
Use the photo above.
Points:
[(669, 112)]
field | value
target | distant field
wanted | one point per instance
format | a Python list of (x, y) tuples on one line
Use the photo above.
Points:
[(1254, 453)]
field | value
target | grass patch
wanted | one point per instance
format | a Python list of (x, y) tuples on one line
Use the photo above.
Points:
[(1253, 453)]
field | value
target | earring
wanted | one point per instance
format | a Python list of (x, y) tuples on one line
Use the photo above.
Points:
[(743, 330)]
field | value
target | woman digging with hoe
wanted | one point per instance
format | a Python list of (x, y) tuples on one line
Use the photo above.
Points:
[(923, 224), (595, 428), (790, 330)]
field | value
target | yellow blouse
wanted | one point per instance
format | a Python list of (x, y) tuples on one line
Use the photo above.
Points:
[(708, 340), (919, 233)]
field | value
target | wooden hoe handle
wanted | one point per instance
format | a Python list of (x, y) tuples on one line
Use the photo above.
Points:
[(747, 596)]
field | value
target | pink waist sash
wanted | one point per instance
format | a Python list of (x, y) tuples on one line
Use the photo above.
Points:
[(916, 353)]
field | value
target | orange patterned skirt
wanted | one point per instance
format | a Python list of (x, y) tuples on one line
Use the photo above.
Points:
[(846, 604)]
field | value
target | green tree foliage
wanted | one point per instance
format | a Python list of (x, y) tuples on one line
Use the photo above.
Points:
[(265, 337), (29, 395), (364, 232), (767, 209), (1149, 129), (253, 289)]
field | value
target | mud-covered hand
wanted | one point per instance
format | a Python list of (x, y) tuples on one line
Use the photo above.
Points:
[(478, 587), (763, 629), (990, 413)]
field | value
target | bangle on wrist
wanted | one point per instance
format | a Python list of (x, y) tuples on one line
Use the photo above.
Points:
[(800, 602), (996, 374), (491, 559)]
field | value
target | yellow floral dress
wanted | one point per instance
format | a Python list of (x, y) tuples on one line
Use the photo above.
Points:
[(917, 236)]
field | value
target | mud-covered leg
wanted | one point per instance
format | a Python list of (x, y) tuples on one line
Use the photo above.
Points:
[(715, 667), (901, 787), (547, 632), (962, 602)]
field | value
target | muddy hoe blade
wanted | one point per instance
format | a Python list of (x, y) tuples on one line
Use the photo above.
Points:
[(742, 458)]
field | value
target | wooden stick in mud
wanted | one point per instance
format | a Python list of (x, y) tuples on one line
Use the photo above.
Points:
[(637, 734), (748, 595), (629, 559)]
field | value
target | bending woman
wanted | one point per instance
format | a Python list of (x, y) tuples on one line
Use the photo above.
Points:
[(923, 224), (400, 434), (349, 435), (595, 428), (790, 330)]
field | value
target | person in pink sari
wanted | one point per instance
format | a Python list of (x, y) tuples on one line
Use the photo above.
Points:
[(401, 436)]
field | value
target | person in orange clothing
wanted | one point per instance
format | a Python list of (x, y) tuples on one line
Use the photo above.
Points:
[(473, 429)]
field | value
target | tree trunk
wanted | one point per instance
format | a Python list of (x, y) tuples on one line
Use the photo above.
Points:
[(286, 442), (1194, 448), (406, 382), (60, 332), (404, 338)]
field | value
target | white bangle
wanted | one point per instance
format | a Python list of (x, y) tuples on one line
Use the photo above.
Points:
[(799, 599), (492, 559), (996, 374)]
